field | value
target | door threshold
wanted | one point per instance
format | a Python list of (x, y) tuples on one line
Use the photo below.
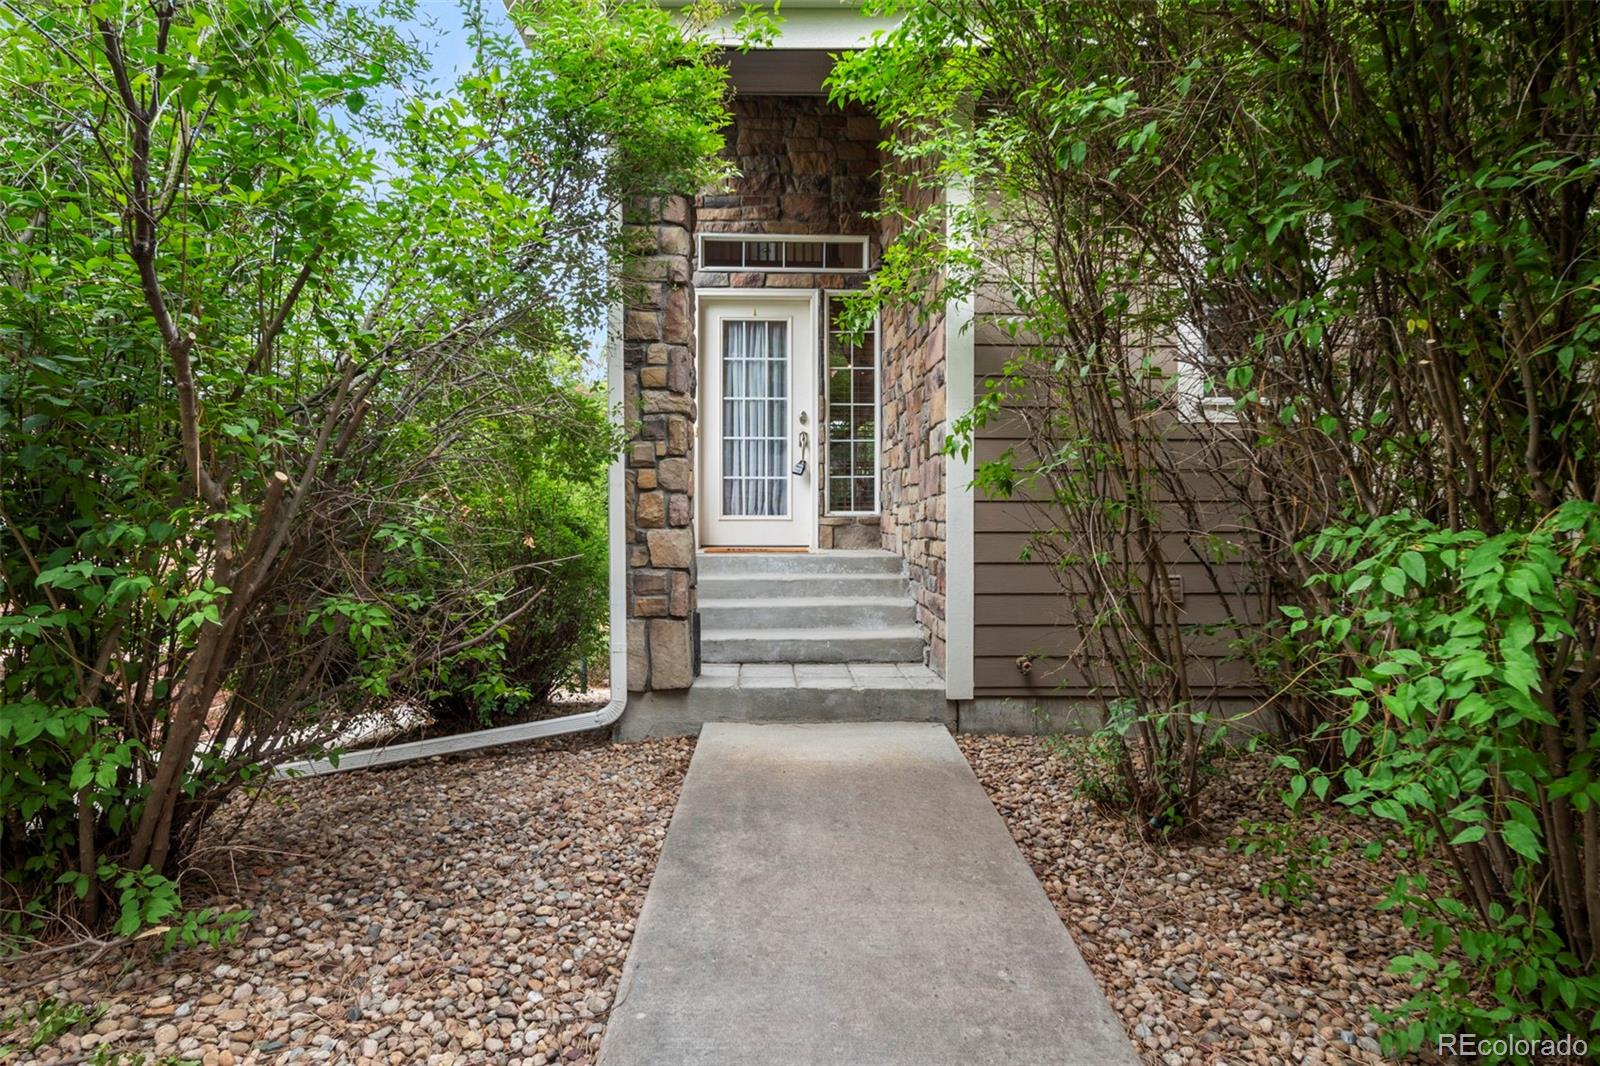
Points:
[(731, 550)]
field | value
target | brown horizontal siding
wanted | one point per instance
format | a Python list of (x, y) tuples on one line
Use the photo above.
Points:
[(990, 360), (997, 676), (1052, 609), (998, 331), (1056, 638), (1032, 600), (1019, 610), (1023, 516), (1178, 545), (1005, 580), (1209, 489), (1187, 450), (1194, 458)]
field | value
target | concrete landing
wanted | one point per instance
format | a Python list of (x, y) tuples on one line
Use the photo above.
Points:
[(847, 894)]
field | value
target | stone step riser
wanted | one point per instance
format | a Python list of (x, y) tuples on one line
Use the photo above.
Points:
[(740, 564), (777, 614), (764, 586), (834, 647)]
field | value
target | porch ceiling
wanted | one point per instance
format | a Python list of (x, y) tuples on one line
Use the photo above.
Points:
[(778, 71)]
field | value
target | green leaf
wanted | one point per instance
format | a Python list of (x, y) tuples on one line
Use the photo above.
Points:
[(1522, 840), (1415, 567)]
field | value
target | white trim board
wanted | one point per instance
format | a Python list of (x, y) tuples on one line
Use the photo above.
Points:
[(831, 27), (960, 370)]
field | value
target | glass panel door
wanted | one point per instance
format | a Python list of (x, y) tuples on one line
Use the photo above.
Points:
[(755, 419)]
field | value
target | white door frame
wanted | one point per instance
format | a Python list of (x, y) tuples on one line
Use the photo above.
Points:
[(801, 308)]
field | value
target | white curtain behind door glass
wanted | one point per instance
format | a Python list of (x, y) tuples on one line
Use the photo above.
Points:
[(755, 419)]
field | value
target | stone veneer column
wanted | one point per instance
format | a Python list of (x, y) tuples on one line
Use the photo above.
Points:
[(659, 396), (914, 425), (913, 488)]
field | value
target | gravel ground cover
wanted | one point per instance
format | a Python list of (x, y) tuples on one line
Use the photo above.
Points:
[(476, 909), (479, 909), (1200, 966)]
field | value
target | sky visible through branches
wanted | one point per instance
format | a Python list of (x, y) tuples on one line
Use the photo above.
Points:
[(439, 30)]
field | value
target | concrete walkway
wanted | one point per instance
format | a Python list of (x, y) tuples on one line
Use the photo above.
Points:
[(847, 894)]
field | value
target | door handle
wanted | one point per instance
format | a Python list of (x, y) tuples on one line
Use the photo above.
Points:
[(799, 467)]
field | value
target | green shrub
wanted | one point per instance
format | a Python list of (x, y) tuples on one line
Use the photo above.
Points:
[(1298, 842), (1471, 724), (251, 371), (545, 541), (568, 625), (1152, 766), (49, 1018)]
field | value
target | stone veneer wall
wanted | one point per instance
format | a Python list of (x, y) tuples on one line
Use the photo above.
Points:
[(808, 167), (659, 401), (912, 492), (805, 166)]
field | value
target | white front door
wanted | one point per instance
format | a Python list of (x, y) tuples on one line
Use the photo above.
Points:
[(758, 421)]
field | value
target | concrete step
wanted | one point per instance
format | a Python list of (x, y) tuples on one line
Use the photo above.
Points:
[(792, 692), (888, 644), (769, 586), (719, 564), (820, 612), (655, 717), (673, 714)]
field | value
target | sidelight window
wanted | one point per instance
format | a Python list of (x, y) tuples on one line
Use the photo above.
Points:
[(852, 421)]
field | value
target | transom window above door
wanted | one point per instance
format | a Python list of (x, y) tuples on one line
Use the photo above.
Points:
[(839, 255)]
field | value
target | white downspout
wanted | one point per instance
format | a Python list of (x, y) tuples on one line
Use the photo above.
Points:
[(572, 723)]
